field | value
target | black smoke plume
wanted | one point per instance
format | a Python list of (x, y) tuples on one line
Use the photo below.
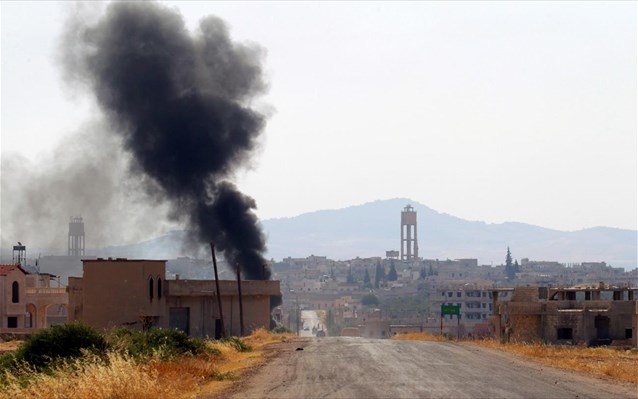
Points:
[(181, 104)]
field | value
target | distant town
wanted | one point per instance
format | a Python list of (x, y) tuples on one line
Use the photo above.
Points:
[(372, 297)]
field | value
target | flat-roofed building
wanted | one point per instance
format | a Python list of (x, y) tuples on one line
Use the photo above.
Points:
[(136, 294)]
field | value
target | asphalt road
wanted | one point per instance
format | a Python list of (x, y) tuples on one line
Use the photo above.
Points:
[(344, 367), (309, 319)]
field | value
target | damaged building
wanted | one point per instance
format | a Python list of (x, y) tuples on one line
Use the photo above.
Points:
[(135, 294), (586, 315)]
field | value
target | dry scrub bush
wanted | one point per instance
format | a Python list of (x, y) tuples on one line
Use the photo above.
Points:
[(91, 378), (420, 336), (261, 337), (122, 377)]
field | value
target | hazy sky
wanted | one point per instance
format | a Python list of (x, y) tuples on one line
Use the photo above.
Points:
[(497, 111)]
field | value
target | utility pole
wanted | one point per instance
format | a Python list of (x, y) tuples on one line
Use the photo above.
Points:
[(219, 295), (241, 306)]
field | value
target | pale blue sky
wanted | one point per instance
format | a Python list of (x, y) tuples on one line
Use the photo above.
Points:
[(522, 111)]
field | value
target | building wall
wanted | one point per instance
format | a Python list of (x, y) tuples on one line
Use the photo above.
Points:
[(35, 298), (199, 297), (115, 293), (376, 329), (7, 307), (528, 318)]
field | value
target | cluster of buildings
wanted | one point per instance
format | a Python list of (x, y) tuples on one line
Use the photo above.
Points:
[(412, 301), (132, 293), (590, 303)]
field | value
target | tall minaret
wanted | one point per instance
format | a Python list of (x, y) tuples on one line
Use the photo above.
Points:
[(76, 236), (409, 245)]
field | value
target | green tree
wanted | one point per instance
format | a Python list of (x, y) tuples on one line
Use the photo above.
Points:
[(510, 269), (370, 300), (378, 275), (366, 279), (392, 274), (350, 278), (422, 274)]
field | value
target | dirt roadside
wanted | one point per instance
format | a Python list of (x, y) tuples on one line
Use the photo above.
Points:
[(270, 352)]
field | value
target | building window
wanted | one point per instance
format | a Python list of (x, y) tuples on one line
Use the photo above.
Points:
[(159, 288), (15, 292), (458, 294), (628, 333), (12, 322), (150, 288), (28, 321)]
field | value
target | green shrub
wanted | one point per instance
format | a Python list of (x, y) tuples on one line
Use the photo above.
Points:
[(59, 343), (163, 342), (238, 344), (7, 361)]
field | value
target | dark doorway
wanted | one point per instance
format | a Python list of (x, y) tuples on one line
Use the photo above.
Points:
[(218, 329), (602, 327), (564, 333), (12, 322), (179, 318)]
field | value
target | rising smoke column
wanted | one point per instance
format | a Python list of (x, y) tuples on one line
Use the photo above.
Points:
[(180, 102)]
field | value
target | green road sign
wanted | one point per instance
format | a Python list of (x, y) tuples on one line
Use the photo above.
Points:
[(450, 309)]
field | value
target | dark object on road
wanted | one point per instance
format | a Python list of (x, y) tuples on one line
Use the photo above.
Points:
[(299, 349), (321, 333)]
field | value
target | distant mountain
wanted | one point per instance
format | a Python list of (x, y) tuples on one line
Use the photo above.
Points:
[(371, 229), (168, 246)]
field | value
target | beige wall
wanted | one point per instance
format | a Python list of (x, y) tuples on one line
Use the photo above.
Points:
[(115, 293), (7, 307), (35, 297), (199, 296), (531, 319)]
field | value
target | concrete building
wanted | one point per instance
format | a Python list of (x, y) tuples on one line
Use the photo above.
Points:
[(588, 315), (28, 302), (135, 294), (475, 303)]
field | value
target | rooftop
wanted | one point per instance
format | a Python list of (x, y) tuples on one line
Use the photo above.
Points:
[(6, 269)]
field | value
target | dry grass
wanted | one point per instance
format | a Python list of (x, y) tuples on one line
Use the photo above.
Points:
[(615, 363), (90, 378), (125, 378), (9, 346), (235, 363), (419, 336), (618, 364)]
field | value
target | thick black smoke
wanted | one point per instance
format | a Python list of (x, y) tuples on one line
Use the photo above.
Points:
[(180, 102)]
